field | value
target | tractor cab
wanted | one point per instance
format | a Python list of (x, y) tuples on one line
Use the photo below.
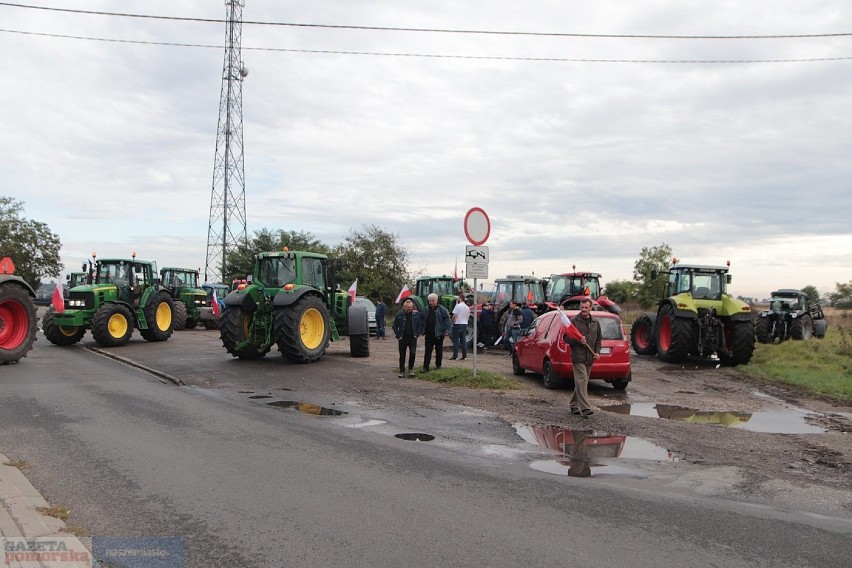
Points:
[(700, 281), (444, 286), (566, 290), (521, 290)]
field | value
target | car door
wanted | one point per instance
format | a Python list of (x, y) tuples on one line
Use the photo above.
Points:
[(538, 343)]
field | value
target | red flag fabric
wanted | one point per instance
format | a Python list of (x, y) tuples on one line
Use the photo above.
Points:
[(353, 290), (215, 304), (58, 301), (571, 329), (403, 294)]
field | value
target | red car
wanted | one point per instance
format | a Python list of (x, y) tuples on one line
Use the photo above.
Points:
[(541, 349)]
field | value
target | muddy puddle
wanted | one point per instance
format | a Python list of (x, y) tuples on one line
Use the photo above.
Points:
[(787, 421), (587, 453)]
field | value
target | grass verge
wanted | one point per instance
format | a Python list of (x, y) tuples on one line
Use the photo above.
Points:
[(465, 378), (819, 366)]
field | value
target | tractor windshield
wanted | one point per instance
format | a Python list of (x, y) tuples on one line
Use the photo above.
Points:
[(180, 278), (277, 271), (561, 287), (706, 286), (117, 273)]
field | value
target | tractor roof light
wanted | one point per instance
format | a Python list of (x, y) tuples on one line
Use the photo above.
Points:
[(289, 286)]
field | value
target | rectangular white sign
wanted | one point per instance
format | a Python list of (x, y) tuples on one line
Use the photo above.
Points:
[(476, 270), (475, 255)]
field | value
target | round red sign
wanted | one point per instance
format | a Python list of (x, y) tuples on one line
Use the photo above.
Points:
[(477, 226)]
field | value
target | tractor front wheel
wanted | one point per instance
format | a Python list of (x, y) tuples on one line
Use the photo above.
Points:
[(642, 336), (802, 328), (179, 315), (60, 334), (763, 330), (112, 325), (302, 329), (17, 323), (674, 335), (235, 327), (159, 315)]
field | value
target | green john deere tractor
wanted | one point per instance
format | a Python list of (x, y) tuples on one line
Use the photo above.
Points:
[(18, 319), (291, 300), (697, 318), (444, 286), (124, 294), (188, 298)]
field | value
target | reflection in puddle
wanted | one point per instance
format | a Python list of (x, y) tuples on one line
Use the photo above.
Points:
[(586, 453), (307, 408), (789, 421)]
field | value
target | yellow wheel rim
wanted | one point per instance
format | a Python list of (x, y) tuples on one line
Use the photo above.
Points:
[(312, 328), (67, 331), (117, 325), (164, 316)]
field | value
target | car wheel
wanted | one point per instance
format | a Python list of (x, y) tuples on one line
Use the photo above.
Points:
[(516, 365), (548, 378)]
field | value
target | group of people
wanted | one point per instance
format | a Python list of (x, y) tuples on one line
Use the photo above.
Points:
[(435, 322)]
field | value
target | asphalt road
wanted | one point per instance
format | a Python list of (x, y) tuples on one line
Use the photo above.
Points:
[(251, 484)]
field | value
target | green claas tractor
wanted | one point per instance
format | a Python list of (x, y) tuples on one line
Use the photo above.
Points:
[(18, 319), (292, 300), (791, 315), (188, 298), (124, 294), (696, 318)]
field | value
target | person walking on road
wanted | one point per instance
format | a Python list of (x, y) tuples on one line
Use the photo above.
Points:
[(406, 328), (380, 319), (436, 326), (512, 329), (461, 315), (584, 352)]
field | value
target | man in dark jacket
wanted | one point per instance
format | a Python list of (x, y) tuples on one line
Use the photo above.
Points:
[(406, 328), (584, 352), (436, 326), (528, 316), (380, 319)]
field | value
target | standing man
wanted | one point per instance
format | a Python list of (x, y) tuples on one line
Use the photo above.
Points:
[(406, 328), (461, 315), (584, 352), (436, 325), (527, 314), (380, 319)]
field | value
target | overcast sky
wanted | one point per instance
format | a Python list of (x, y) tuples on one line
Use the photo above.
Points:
[(578, 160)]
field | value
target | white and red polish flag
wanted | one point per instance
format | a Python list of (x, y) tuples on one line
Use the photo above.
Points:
[(403, 294)]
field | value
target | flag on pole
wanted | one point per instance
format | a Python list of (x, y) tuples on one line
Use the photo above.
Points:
[(353, 290), (571, 330), (215, 304), (456, 271), (58, 301), (499, 340), (403, 294)]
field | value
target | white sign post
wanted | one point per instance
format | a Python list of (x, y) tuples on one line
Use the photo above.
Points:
[(477, 228)]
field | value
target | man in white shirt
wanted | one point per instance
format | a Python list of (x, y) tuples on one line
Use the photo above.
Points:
[(461, 315)]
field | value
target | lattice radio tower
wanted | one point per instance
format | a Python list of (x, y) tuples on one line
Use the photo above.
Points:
[(227, 226)]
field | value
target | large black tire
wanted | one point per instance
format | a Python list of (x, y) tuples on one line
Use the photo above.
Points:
[(112, 325), (159, 314), (642, 336), (763, 329), (819, 328), (235, 326), (179, 316), (191, 323), (302, 330), (740, 336), (359, 345), (18, 323), (802, 328), (211, 324), (60, 335), (674, 335), (547, 377), (516, 365)]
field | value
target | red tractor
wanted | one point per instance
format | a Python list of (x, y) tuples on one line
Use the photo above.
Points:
[(18, 319), (566, 291)]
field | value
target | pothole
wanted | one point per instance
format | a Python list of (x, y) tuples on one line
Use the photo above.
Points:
[(415, 437), (307, 408), (788, 421), (261, 396)]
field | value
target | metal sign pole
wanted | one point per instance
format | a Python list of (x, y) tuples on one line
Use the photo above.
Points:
[(474, 327)]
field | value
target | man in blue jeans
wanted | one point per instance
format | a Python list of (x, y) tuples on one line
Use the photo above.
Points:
[(461, 315)]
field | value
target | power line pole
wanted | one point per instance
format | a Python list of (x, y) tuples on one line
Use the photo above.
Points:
[(227, 225)]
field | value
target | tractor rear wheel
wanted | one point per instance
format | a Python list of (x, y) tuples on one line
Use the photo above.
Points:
[(60, 334), (159, 314), (802, 328), (674, 335), (740, 336), (179, 316), (112, 325), (642, 336), (763, 330), (302, 329), (18, 321), (235, 327)]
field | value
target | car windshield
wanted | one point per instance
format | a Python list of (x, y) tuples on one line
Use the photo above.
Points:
[(371, 307)]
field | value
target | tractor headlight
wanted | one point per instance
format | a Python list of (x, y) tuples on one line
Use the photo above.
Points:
[(75, 303)]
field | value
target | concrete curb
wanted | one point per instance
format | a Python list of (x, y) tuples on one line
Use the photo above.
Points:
[(19, 520)]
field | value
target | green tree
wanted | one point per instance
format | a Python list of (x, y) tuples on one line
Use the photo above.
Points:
[(842, 295), (241, 261), (652, 261), (377, 259), (812, 292), (32, 246), (621, 291)]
